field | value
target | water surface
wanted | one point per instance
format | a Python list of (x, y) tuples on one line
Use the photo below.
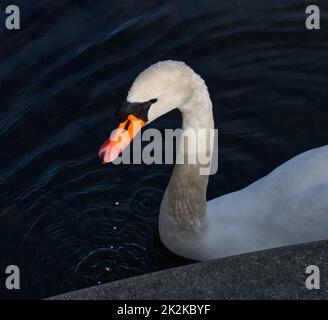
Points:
[(67, 221)]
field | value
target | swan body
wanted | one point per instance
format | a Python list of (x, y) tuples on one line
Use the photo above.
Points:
[(288, 206)]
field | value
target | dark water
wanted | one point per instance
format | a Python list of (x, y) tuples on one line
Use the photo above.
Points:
[(62, 77)]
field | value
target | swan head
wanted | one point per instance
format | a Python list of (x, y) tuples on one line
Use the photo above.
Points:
[(166, 85), (157, 90)]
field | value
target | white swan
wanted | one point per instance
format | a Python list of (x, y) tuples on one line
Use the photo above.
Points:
[(288, 206)]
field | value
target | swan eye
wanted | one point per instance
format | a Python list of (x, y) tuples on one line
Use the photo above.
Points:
[(153, 101)]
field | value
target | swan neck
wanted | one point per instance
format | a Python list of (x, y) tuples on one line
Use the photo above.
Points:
[(183, 208)]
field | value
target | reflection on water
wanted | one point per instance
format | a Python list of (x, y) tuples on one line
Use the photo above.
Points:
[(70, 222)]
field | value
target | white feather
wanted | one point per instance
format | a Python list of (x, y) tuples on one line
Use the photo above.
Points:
[(288, 206)]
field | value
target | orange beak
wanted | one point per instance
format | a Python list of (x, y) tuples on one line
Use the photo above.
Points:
[(120, 138)]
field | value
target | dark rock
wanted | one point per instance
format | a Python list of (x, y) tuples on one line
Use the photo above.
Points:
[(271, 274)]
